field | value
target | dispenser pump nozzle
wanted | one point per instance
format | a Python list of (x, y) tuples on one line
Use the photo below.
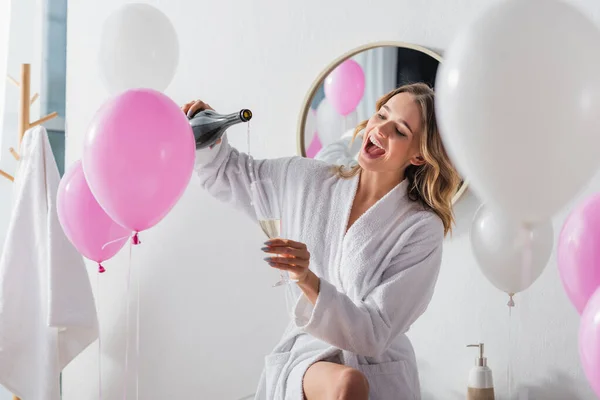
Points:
[(480, 361)]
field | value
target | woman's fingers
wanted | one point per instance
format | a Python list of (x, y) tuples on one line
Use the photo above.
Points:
[(285, 243), (288, 255), (290, 261), (298, 271), (194, 106), (186, 107), (288, 251), (198, 105)]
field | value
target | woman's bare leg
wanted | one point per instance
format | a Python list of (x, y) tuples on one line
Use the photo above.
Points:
[(329, 381)]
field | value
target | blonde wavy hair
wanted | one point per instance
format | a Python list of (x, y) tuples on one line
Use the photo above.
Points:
[(434, 183)]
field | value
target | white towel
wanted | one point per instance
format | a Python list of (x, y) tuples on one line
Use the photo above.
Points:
[(47, 309)]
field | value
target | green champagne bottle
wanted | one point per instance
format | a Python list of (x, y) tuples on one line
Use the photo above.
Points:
[(209, 126)]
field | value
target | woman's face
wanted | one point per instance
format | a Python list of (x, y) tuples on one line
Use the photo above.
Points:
[(392, 136)]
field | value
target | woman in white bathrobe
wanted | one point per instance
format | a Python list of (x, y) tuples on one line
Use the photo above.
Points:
[(364, 244)]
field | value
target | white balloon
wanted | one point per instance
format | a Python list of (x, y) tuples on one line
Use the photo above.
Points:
[(138, 49), (510, 255), (518, 103), (331, 125)]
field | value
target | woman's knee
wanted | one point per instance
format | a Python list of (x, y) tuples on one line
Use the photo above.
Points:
[(351, 385)]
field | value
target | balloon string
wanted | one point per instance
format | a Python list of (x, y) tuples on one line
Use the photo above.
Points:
[(508, 369), (137, 338), (114, 241), (127, 327), (99, 340), (250, 166)]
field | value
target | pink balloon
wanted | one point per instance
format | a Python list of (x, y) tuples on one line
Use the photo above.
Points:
[(138, 157), (578, 253), (345, 86), (93, 233), (315, 146), (589, 341)]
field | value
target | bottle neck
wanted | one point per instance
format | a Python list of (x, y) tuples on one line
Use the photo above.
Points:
[(232, 119)]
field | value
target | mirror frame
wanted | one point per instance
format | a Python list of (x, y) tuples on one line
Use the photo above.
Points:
[(318, 81)]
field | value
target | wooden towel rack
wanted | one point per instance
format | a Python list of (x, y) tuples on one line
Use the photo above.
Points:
[(25, 102)]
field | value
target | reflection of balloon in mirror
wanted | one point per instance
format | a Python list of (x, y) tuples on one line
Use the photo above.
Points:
[(310, 127), (138, 49), (578, 253), (331, 125), (345, 86), (502, 96), (589, 341), (510, 256), (314, 147)]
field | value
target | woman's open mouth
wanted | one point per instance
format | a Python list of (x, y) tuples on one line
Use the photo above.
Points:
[(373, 148)]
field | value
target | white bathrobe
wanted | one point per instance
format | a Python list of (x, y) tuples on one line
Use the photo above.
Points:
[(376, 279)]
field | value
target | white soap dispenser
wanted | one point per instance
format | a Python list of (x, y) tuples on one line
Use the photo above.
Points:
[(481, 384)]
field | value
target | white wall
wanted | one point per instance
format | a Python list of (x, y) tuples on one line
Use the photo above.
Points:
[(208, 314), (25, 37), (5, 7), (20, 42)]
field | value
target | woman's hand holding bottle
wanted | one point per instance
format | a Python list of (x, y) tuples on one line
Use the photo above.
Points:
[(195, 106)]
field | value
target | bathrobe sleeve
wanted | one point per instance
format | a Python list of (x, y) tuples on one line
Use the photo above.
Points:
[(226, 174), (367, 327)]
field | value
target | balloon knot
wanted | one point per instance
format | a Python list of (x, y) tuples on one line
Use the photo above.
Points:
[(511, 301), (135, 239), (101, 269)]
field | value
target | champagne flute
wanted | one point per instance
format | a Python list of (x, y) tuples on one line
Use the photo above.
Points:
[(268, 212)]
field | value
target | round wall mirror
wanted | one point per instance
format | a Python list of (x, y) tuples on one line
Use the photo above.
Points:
[(333, 108)]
